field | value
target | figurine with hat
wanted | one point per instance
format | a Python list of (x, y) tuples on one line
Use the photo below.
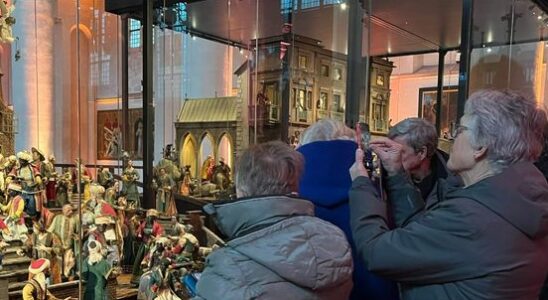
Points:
[(96, 271), (36, 287), (30, 180), (38, 159), (15, 220), (44, 244)]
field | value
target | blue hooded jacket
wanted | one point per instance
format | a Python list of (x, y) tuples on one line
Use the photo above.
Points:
[(326, 183)]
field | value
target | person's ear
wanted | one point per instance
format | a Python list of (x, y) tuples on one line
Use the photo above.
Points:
[(422, 153), (480, 153)]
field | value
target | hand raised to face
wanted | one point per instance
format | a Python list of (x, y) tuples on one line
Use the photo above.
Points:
[(390, 154), (358, 169)]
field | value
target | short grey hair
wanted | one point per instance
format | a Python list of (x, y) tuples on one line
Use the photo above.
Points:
[(326, 130), (510, 125), (272, 168), (417, 133)]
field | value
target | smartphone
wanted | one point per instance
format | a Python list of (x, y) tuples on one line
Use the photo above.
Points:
[(363, 136)]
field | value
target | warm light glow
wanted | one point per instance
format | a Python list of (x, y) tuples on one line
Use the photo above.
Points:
[(489, 50), (343, 6), (109, 101), (538, 87)]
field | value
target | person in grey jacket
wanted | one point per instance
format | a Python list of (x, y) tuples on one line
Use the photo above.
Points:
[(276, 248), (486, 240)]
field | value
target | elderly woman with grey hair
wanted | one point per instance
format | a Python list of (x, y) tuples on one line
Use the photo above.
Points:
[(328, 147), (485, 240), (276, 248)]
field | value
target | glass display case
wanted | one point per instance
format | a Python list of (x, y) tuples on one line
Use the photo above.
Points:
[(163, 96)]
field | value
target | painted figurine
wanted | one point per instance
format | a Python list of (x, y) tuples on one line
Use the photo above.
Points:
[(164, 185), (30, 179), (147, 231), (50, 175), (96, 271), (65, 226), (129, 189), (43, 244), (35, 288), (15, 221), (105, 177)]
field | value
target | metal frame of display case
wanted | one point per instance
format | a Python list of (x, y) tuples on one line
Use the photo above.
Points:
[(356, 85)]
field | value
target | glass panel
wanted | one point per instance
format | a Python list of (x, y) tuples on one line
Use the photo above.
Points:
[(509, 47)]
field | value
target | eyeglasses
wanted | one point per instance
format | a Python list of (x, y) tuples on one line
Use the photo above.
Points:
[(460, 129)]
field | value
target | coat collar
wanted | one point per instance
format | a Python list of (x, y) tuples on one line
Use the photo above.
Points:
[(243, 216)]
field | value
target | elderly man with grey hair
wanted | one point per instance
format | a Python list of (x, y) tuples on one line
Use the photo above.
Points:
[(276, 248), (486, 240), (423, 163)]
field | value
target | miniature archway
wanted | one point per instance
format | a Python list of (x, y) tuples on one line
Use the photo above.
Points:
[(206, 149), (188, 155), (225, 150)]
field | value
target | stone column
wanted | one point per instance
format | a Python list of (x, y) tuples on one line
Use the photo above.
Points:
[(33, 75)]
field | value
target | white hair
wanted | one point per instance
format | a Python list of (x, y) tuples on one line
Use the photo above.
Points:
[(508, 124), (326, 130)]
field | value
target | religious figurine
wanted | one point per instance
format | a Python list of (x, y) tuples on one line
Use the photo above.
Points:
[(164, 195), (186, 188), (106, 216), (105, 177), (31, 181), (44, 244), (162, 282), (15, 221), (221, 175), (207, 168), (38, 161), (187, 246), (50, 175), (35, 288), (147, 231), (112, 193), (85, 179), (65, 226), (167, 163), (129, 188), (96, 271), (175, 229), (63, 188)]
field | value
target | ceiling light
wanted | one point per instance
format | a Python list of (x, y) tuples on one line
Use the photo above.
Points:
[(343, 5)]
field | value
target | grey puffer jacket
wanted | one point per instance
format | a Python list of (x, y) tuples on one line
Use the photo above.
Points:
[(277, 250)]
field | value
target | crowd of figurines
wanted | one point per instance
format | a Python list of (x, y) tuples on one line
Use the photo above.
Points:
[(117, 235)]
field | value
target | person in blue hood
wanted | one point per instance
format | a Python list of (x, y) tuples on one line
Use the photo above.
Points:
[(328, 147)]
